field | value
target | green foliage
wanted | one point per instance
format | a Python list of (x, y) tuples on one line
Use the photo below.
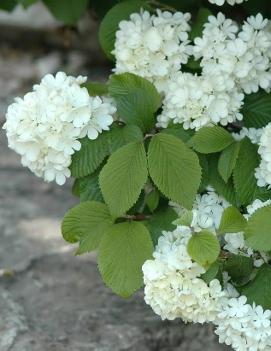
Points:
[(239, 268), (257, 110), (177, 131), (211, 139), (258, 229), (258, 290), (123, 177), (67, 11), (224, 189), (232, 221), (96, 88), (245, 183), (85, 221), (93, 152), (88, 188), (185, 218), (227, 160), (213, 272), (204, 248), (137, 99), (122, 252), (174, 169), (110, 22), (8, 5), (201, 19), (89, 157), (152, 200), (161, 220), (26, 3)]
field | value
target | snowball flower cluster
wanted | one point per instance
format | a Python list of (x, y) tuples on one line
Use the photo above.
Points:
[(253, 134), (222, 2), (195, 102), (242, 326), (44, 126), (173, 287), (263, 172), (240, 58), (207, 210), (153, 46)]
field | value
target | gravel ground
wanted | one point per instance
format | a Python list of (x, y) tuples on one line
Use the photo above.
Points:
[(51, 300)]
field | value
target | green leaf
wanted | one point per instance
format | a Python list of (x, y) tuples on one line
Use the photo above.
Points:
[(258, 290), (122, 252), (137, 99), (211, 139), (245, 183), (8, 5), (178, 132), (226, 190), (110, 23), (84, 220), (239, 268), (258, 229), (96, 88), (160, 221), (205, 178), (185, 218), (227, 160), (67, 11), (174, 169), (119, 137), (257, 110), (26, 3), (152, 200), (203, 248), (213, 272), (123, 177), (89, 157), (232, 221), (93, 152), (201, 19), (89, 188)]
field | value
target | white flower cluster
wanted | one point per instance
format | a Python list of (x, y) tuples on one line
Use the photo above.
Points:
[(242, 326), (195, 101), (153, 46), (253, 134), (239, 58), (44, 126), (263, 172), (173, 287), (207, 210), (222, 2)]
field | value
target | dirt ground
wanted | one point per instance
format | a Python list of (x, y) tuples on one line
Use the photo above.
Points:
[(51, 300)]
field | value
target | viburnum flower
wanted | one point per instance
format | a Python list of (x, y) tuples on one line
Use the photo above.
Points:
[(253, 134), (45, 125), (241, 58), (222, 2), (263, 172), (153, 46), (173, 287), (195, 101)]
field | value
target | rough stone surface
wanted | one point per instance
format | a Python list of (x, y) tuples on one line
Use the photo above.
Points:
[(51, 300)]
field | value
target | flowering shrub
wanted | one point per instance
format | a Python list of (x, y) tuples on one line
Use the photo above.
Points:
[(172, 162)]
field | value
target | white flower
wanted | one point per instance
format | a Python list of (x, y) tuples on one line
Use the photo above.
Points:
[(241, 58), (173, 287), (44, 126), (153, 46), (253, 134), (242, 326), (194, 101), (263, 172), (221, 2)]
